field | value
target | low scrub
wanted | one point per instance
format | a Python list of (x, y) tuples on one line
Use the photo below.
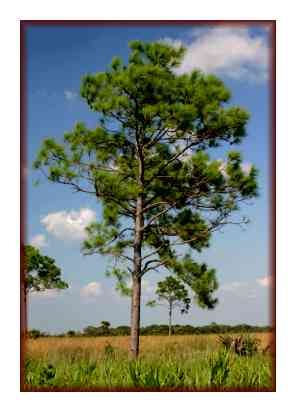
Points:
[(244, 345)]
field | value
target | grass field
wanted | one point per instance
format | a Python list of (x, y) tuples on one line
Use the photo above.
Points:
[(176, 362)]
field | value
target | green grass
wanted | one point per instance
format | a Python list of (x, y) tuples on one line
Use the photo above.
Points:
[(169, 367)]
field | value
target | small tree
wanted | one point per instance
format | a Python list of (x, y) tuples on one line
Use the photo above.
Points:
[(105, 327), (147, 162), (34, 333), (41, 271), (172, 293)]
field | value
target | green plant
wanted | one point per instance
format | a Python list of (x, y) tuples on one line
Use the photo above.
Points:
[(109, 351), (250, 345), (156, 376), (220, 367)]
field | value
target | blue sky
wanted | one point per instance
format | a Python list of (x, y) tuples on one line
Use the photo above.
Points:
[(57, 57)]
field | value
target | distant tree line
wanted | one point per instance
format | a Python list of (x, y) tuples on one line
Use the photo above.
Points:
[(105, 329)]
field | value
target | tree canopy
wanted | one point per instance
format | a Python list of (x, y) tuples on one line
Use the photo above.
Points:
[(173, 293)]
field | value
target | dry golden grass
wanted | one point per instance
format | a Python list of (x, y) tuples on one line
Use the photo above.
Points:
[(94, 346)]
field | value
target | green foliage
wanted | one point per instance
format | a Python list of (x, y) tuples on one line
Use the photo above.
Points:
[(199, 278), (173, 292), (147, 376), (41, 271), (219, 368), (105, 325), (226, 339), (179, 330), (109, 351), (34, 334)]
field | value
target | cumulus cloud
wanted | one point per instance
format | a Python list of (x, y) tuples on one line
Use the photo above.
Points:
[(92, 289), (265, 281), (69, 225), (70, 95), (232, 52), (38, 241)]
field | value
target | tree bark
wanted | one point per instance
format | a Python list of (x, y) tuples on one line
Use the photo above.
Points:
[(135, 318), (136, 291), (170, 318), (137, 260)]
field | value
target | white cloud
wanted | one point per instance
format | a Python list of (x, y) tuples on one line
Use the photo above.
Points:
[(69, 225), (92, 289), (232, 52), (38, 241), (70, 95), (265, 281)]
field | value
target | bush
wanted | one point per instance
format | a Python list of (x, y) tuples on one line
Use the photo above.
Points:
[(34, 333), (244, 345)]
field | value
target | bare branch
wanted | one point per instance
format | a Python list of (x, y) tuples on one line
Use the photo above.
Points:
[(152, 253), (161, 263)]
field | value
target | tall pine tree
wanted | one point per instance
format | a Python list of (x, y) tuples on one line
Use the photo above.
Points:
[(147, 162)]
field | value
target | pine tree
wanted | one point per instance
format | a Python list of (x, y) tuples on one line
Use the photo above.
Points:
[(171, 293), (148, 164)]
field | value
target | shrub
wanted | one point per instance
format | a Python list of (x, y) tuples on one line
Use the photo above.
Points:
[(34, 334), (244, 345)]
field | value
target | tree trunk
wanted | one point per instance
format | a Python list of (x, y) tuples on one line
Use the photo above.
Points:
[(170, 318), (136, 292), (135, 318), (137, 260)]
